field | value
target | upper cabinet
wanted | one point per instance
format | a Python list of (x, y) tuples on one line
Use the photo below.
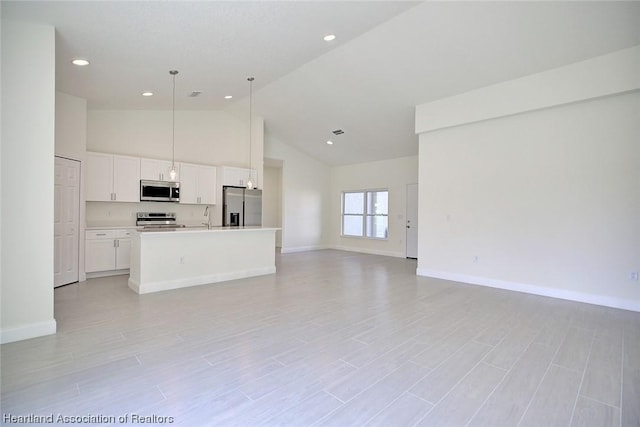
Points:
[(110, 177), (197, 184), (157, 170), (236, 177)]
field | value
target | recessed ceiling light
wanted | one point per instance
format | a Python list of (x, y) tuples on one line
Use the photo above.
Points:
[(228, 97), (80, 62), (329, 37), (147, 93), (330, 142)]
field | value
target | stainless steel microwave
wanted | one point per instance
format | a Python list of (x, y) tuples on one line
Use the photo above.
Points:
[(159, 191)]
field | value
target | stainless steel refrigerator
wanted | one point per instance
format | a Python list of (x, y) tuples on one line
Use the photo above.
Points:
[(241, 207)]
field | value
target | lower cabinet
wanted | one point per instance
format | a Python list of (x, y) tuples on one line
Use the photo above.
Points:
[(107, 251)]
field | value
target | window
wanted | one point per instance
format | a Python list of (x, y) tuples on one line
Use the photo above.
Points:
[(365, 214)]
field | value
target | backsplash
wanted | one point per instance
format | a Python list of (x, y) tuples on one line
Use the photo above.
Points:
[(104, 214)]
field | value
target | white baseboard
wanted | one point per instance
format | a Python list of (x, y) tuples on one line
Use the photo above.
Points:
[(25, 332), (533, 289), (289, 250), (199, 280), (369, 251), (97, 274)]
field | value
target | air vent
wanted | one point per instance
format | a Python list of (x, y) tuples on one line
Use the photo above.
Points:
[(338, 132), (194, 94)]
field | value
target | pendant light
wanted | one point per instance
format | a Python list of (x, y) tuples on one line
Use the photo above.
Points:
[(250, 183), (172, 172)]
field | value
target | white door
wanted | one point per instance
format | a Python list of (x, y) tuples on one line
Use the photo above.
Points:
[(412, 221), (66, 221)]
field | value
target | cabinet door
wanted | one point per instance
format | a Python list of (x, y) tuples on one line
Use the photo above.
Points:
[(123, 254), (126, 178), (99, 177), (99, 255), (235, 176), (189, 191), (157, 170), (207, 185)]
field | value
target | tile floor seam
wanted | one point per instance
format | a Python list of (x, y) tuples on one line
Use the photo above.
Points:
[(350, 364), (494, 366), (163, 395), (584, 374), (499, 383), (456, 384), (334, 396), (546, 372)]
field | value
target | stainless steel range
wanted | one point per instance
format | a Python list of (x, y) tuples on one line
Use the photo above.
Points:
[(158, 220)]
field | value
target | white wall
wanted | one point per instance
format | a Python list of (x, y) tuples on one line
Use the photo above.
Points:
[(28, 111), (393, 175), (272, 200), (71, 126), (204, 137), (305, 197), (547, 200), (207, 137)]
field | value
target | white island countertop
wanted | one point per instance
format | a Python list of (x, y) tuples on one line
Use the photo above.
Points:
[(204, 229), (182, 257)]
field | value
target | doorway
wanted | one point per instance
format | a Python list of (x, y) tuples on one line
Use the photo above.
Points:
[(412, 221), (66, 221)]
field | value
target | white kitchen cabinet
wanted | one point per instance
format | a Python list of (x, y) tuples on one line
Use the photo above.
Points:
[(237, 177), (198, 184), (157, 170), (107, 251), (111, 177)]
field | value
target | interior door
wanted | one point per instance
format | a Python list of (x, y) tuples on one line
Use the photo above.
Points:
[(412, 221), (66, 221)]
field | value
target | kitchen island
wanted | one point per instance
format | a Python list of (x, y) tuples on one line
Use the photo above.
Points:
[(163, 260)]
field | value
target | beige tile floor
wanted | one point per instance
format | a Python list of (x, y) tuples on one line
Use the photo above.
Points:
[(334, 338)]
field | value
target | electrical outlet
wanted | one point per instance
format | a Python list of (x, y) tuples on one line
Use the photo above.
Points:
[(475, 258), (634, 276), (181, 260)]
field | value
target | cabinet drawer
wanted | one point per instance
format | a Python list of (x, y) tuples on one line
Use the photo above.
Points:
[(100, 234), (124, 234)]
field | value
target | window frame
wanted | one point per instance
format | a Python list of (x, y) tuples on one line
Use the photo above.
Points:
[(364, 215)]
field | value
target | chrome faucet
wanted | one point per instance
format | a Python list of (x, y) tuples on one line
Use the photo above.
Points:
[(207, 213)]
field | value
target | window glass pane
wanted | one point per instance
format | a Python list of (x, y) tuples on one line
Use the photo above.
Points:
[(352, 225), (353, 203), (377, 227), (378, 202)]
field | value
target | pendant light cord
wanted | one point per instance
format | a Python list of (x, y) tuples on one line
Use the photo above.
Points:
[(250, 117), (173, 122)]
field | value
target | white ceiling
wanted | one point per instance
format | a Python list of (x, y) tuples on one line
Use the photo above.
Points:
[(388, 57)]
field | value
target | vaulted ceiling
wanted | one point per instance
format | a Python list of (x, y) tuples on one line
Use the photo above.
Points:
[(388, 56)]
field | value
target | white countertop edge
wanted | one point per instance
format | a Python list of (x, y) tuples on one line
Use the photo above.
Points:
[(204, 230), (114, 227)]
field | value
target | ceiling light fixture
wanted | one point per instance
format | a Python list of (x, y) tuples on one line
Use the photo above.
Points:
[(80, 62), (329, 142), (329, 37), (250, 183), (172, 172), (147, 93), (228, 97)]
